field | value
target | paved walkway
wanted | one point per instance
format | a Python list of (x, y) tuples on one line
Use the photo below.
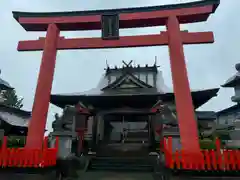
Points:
[(116, 176)]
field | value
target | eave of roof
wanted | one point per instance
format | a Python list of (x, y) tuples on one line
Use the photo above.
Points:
[(206, 115), (229, 109), (19, 112), (199, 98)]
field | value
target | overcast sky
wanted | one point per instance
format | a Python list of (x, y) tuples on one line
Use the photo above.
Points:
[(208, 65)]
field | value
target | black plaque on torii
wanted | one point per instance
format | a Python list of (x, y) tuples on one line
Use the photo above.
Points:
[(110, 26)]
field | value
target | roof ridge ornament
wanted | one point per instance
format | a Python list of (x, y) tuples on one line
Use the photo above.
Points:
[(127, 64), (155, 62), (107, 66)]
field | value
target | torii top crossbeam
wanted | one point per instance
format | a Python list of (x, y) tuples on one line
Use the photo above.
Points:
[(128, 17), (110, 21)]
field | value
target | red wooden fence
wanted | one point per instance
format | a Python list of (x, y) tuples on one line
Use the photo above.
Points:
[(218, 159), (25, 157)]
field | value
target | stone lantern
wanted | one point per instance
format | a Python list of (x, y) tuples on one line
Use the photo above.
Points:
[(234, 82)]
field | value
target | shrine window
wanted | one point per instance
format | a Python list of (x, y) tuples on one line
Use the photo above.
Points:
[(143, 77), (111, 78), (137, 75), (150, 79)]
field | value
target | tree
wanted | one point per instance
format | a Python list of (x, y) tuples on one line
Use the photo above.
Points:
[(11, 99)]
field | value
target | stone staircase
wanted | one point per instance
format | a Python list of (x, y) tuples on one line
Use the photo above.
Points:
[(121, 164)]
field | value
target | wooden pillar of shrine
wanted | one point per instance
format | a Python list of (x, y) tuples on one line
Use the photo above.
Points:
[(157, 128), (37, 124), (81, 126)]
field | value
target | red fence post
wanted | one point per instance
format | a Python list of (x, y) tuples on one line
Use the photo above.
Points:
[(213, 158), (184, 163), (165, 150), (207, 161), (44, 152), (238, 159), (202, 161), (178, 159), (170, 151), (4, 152)]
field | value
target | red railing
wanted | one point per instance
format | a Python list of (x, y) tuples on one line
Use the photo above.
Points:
[(218, 159), (25, 157)]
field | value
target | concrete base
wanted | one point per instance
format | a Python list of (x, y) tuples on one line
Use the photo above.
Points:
[(7, 174), (213, 175), (27, 174)]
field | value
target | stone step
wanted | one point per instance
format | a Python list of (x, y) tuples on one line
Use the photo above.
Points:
[(121, 164)]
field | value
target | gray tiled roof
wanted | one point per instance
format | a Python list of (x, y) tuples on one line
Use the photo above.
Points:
[(14, 119), (96, 95), (4, 84), (206, 115), (14, 116), (161, 87), (234, 80)]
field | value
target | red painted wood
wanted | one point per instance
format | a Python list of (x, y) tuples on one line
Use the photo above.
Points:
[(127, 20), (183, 99), (237, 155), (206, 160), (28, 157), (82, 110), (177, 159), (173, 37), (42, 97), (126, 41)]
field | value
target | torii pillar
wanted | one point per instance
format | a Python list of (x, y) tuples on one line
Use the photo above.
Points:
[(110, 21)]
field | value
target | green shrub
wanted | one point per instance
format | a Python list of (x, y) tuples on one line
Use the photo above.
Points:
[(207, 144), (15, 141)]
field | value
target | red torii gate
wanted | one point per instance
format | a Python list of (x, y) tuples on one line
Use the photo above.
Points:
[(170, 15)]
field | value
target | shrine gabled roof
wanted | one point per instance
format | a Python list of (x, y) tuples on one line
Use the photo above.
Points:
[(149, 96), (91, 13), (127, 77), (161, 88)]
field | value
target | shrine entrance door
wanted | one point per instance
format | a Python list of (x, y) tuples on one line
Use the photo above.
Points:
[(125, 135)]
